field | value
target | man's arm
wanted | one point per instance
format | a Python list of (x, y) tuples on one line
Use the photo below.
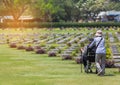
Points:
[(92, 44)]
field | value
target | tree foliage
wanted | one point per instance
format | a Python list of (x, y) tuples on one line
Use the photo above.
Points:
[(57, 10), (15, 7)]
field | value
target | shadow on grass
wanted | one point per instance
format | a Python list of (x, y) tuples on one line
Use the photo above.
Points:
[(104, 75), (116, 72), (109, 75)]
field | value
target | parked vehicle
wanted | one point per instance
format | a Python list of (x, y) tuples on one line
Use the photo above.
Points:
[(106, 16)]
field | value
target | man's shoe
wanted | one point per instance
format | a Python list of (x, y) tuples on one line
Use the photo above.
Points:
[(101, 75), (86, 70)]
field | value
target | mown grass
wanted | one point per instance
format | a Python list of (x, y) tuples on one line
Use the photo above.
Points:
[(27, 68), (18, 67)]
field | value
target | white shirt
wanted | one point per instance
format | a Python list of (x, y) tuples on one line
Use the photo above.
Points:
[(101, 46)]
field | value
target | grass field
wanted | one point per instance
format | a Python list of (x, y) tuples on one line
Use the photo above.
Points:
[(27, 68), (18, 67)]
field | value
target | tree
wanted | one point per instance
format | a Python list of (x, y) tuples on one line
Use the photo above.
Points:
[(16, 7), (43, 9), (90, 8), (57, 10), (67, 10), (84, 7), (114, 5), (37, 8)]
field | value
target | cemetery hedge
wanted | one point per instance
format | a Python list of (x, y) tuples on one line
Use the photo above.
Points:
[(58, 24)]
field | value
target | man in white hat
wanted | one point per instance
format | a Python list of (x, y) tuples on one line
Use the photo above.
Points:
[(100, 56), (98, 33)]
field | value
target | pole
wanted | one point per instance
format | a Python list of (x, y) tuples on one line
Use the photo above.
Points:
[(81, 61)]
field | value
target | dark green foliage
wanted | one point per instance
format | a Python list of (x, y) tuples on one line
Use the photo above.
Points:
[(82, 44), (53, 46), (60, 24), (57, 10), (108, 52), (69, 44)]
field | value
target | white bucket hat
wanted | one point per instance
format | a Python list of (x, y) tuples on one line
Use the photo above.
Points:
[(98, 33)]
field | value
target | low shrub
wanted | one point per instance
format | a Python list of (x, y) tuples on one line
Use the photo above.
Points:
[(29, 48), (59, 51), (42, 44), (51, 54), (40, 51), (74, 54), (67, 57), (108, 53), (77, 50), (53, 46), (69, 44), (59, 24), (13, 45), (78, 60), (109, 64), (21, 47), (37, 47), (82, 44)]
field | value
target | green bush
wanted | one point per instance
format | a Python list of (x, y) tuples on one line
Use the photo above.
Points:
[(82, 44), (53, 46), (74, 54), (115, 37), (69, 44), (42, 44), (59, 24), (108, 53)]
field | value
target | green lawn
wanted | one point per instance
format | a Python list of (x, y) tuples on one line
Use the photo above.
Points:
[(27, 68)]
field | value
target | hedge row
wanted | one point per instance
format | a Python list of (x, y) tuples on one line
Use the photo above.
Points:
[(58, 24)]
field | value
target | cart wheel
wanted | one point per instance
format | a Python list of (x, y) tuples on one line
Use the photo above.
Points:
[(87, 70), (91, 71), (96, 71)]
